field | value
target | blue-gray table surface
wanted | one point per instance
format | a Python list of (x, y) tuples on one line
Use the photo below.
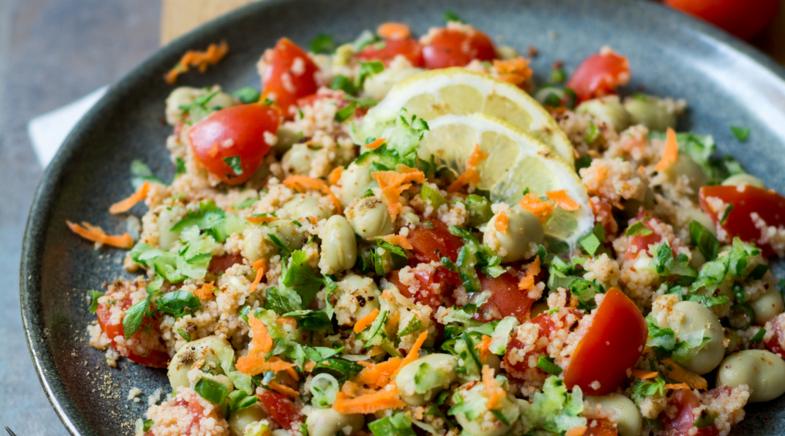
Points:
[(51, 52)]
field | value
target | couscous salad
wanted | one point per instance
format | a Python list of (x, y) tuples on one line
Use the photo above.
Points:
[(401, 235)]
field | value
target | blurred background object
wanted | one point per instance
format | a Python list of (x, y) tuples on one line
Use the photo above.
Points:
[(744, 18), (53, 52)]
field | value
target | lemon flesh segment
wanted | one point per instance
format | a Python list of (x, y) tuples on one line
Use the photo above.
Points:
[(457, 91), (515, 161)]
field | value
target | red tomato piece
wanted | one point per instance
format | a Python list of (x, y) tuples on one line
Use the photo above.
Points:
[(388, 49), (219, 264), (518, 366), (235, 136), (683, 421), (506, 299), (279, 408), (769, 205), (601, 427), (641, 242), (599, 74), (433, 289), (775, 343), (603, 214), (612, 345), (148, 350), (431, 244), (739, 17), (456, 47), (289, 74)]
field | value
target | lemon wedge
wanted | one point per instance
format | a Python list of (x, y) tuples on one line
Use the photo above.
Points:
[(515, 161), (458, 91)]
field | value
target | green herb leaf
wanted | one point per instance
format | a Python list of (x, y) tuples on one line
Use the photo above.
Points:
[(134, 316), (338, 367), (208, 218), (301, 277), (638, 229), (344, 84), (546, 364), (368, 69), (247, 94), (397, 424), (648, 388), (592, 133), (239, 400), (93, 296), (211, 390), (758, 336), (141, 173), (178, 303), (179, 166), (235, 163), (345, 112), (310, 320), (322, 44), (283, 249), (452, 17), (281, 299), (702, 238), (741, 133)]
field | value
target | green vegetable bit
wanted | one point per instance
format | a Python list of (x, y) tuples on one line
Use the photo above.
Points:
[(322, 44), (741, 133), (211, 390), (247, 94)]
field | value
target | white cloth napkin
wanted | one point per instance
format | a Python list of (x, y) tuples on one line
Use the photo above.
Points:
[(48, 131)]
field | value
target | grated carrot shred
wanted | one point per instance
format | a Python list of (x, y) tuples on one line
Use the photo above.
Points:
[(393, 183), (484, 347), (673, 371), (200, 59), (260, 219), (670, 152), (515, 71), (99, 236), (677, 386), (261, 268), (398, 240), (563, 200), (126, 204), (365, 321), (376, 143), (494, 393), (205, 292), (385, 399), (414, 352), (502, 222), (576, 431), (377, 375), (528, 279), (538, 207), (335, 175), (391, 30), (254, 361), (644, 375), (303, 183), (470, 176), (283, 389)]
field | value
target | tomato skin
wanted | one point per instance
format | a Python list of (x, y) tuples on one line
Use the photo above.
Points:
[(279, 408), (456, 47), (599, 74), (431, 289), (219, 264), (683, 421), (769, 205), (738, 17), (506, 299), (601, 427), (640, 243), (407, 47), (236, 131), (431, 244), (153, 358), (280, 83), (612, 344)]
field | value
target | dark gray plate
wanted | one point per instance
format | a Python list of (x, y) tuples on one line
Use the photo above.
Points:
[(724, 81)]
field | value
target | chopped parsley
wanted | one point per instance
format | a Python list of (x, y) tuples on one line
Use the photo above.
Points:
[(247, 94), (704, 239), (638, 229), (451, 17), (141, 173), (322, 44), (235, 163), (211, 390), (546, 364), (740, 133), (93, 296)]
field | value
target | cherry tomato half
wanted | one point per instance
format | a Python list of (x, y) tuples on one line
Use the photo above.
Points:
[(289, 76), (505, 299), (599, 74), (431, 244), (432, 288), (279, 408), (744, 200), (742, 18), (456, 47), (641, 242), (147, 349), (230, 143), (390, 48), (611, 346)]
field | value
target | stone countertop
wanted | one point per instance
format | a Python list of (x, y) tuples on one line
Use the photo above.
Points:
[(52, 52)]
